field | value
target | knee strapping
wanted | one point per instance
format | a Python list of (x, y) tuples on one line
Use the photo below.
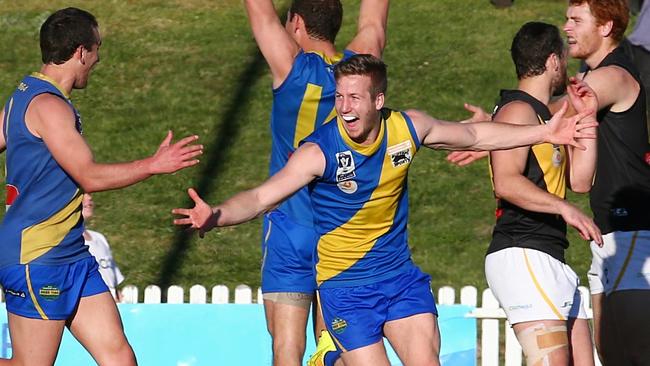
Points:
[(538, 341)]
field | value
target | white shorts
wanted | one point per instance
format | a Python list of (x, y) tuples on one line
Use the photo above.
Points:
[(623, 263), (531, 285)]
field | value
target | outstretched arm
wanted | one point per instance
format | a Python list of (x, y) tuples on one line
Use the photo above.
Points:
[(465, 157), (496, 135), (371, 28), (51, 119), (306, 164), (275, 43)]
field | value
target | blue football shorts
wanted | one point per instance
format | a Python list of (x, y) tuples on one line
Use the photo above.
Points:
[(355, 316), (287, 255), (50, 292)]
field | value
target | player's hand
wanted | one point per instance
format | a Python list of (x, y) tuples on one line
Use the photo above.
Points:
[(565, 130), (478, 114), (462, 158), (582, 97), (173, 157), (200, 218), (584, 224)]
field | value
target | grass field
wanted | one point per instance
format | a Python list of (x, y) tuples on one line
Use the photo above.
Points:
[(193, 67)]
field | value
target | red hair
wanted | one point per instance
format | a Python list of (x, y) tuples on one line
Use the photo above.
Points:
[(606, 10)]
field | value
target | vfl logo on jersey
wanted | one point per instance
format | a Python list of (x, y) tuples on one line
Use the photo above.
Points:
[(557, 156), (345, 166), (12, 194), (49, 292), (339, 325), (400, 154), (348, 186), (22, 87)]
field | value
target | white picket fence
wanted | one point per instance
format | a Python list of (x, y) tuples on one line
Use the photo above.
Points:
[(489, 314)]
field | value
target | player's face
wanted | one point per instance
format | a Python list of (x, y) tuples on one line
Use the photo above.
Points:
[(357, 109), (89, 59), (87, 206), (582, 31)]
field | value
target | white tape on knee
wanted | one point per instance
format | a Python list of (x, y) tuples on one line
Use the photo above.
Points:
[(540, 340)]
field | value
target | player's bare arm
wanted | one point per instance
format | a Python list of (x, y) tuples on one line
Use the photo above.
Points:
[(438, 134), (305, 165), (510, 183), (620, 98), (582, 163), (273, 40), (51, 119), (371, 28)]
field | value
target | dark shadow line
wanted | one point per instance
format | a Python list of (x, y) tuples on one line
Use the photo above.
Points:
[(222, 142)]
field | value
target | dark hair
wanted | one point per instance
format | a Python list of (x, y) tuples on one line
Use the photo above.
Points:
[(605, 10), (64, 31), (532, 45), (365, 65), (322, 17)]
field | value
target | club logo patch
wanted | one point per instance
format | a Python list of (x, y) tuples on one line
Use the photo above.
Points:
[(339, 325), (49, 292), (348, 186), (400, 154), (345, 166)]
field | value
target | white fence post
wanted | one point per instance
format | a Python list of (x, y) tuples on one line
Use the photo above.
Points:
[(152, 294), (513, 349), (129, 295), (220, 294), (175, 294), (446, 295), (489, 332), (198, 294), (243, 295)]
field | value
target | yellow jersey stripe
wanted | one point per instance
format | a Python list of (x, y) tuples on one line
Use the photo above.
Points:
[(375, 218), (307, 113), (540, 290), (365, 149), (38, 75), (32, 295), (627, 261), (40, 238)]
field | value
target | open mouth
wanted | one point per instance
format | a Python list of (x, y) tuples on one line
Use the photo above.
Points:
[(571, 40), (350, 119)]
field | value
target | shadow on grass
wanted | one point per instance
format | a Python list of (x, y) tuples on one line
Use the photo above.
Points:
[(212, 164)]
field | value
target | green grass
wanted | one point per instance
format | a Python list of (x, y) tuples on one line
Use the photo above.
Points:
[(192, 66)]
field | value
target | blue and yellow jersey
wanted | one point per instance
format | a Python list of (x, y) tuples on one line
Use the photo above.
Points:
[(43, 221), (361, 203), (300, 105)]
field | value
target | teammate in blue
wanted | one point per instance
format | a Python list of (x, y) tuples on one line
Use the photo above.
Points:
[(301, 57), (49, 278), (356, 168)]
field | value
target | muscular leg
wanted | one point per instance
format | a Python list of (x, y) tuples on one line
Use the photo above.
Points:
[(597, 303), (34, 341), (97, 326), (416, 339), (287, 325), (580, 346), (374, 354), (546, 343)]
